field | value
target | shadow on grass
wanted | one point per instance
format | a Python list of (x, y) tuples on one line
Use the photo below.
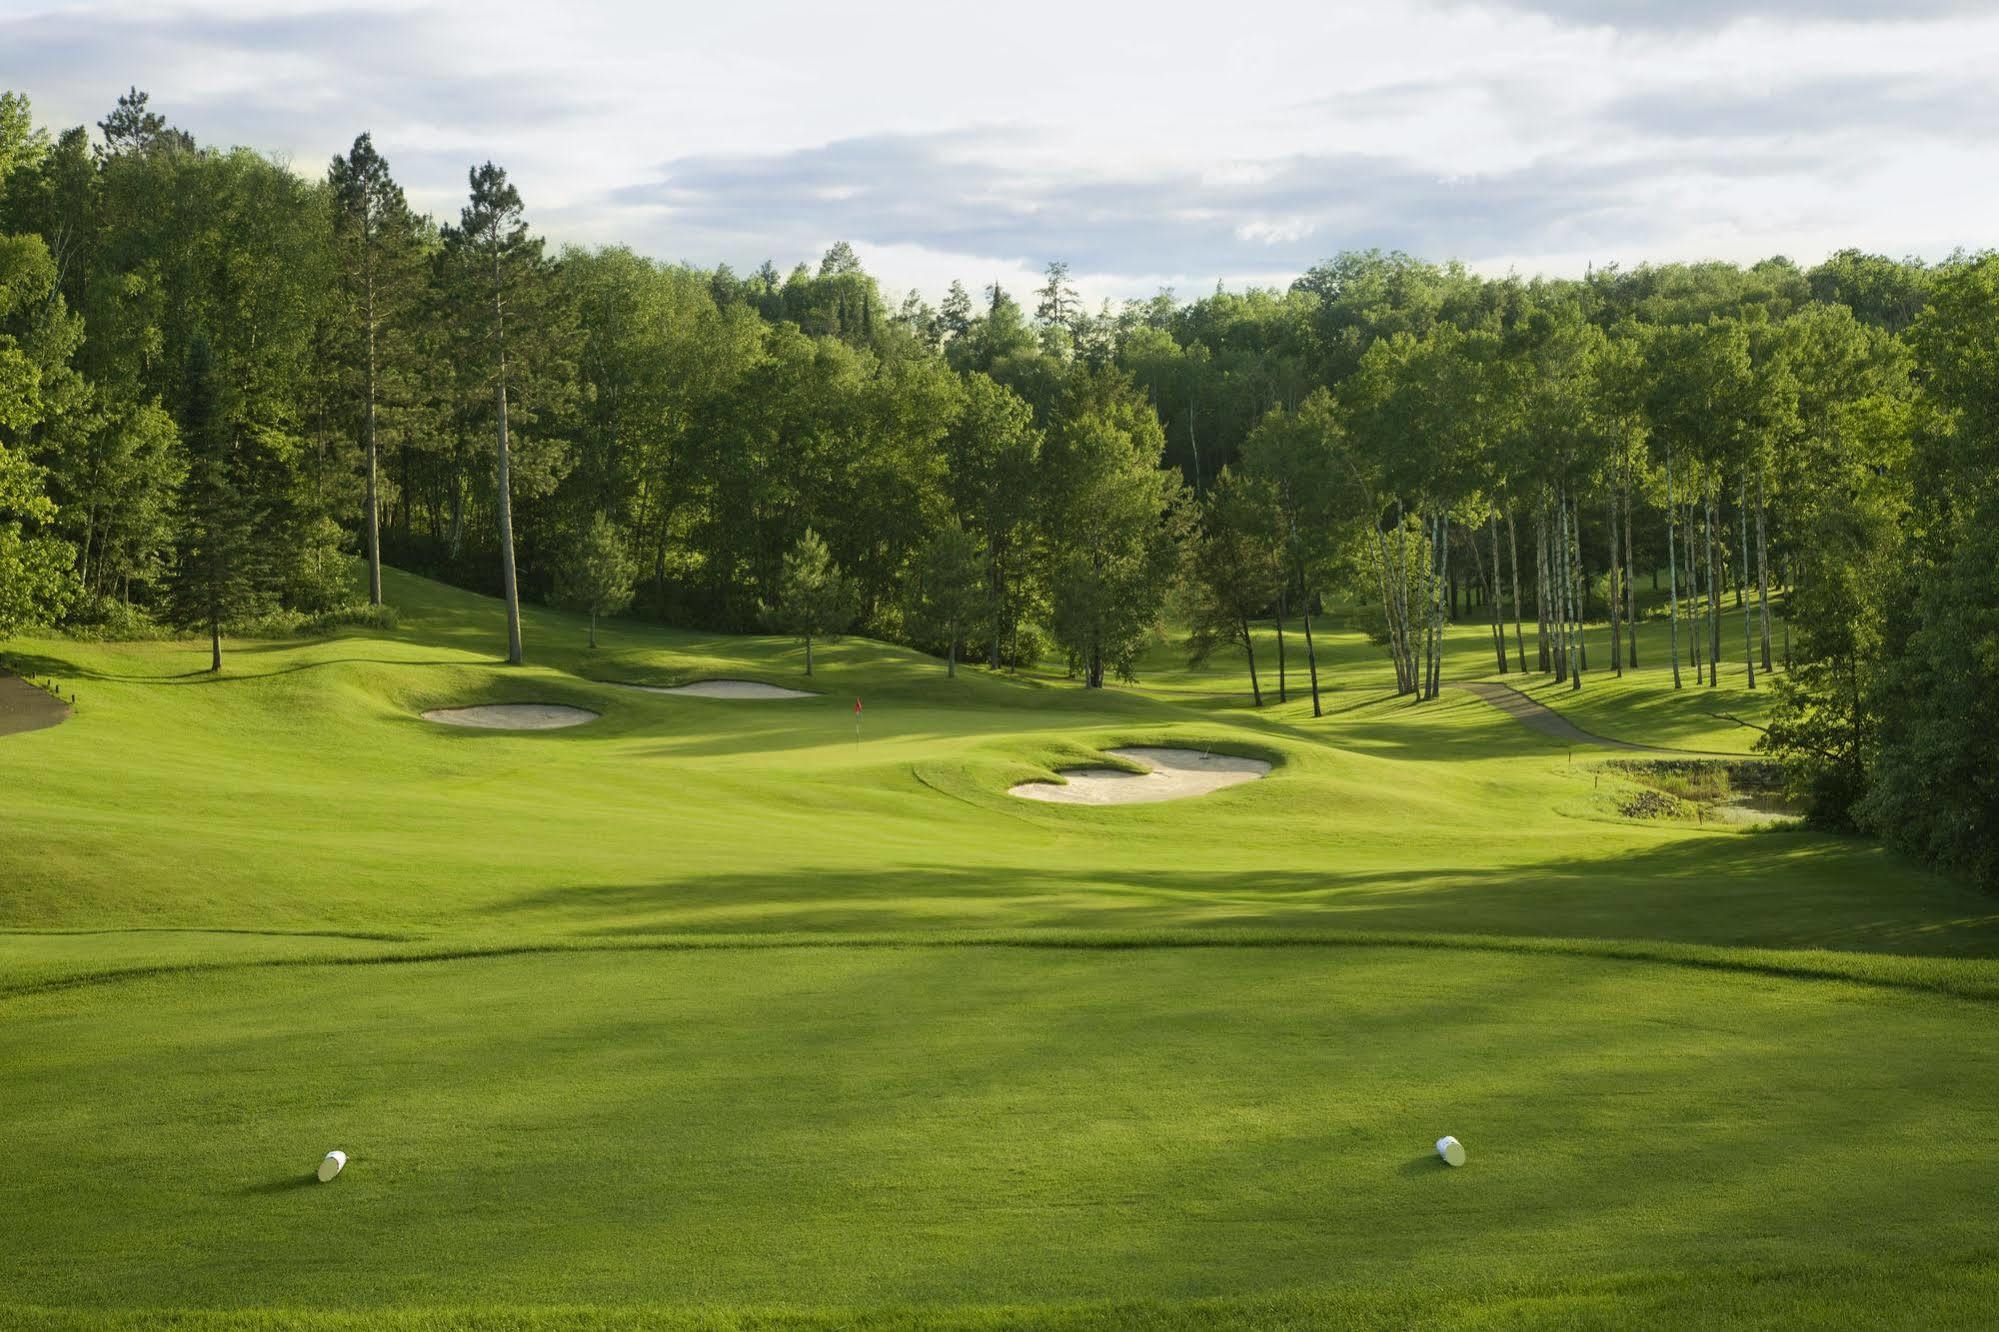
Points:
[(50, 667), (1801, 891), (1426, 1163)]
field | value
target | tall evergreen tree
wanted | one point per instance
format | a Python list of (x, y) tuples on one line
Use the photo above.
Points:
[(381, 273), (955, 315), (222, 571), (1058, 303), (503, 265), (814, 600)]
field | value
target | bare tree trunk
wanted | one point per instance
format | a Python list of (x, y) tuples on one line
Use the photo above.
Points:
[(993, 605), (1615, 591), (1519, 635), (1630, 572), (1249, 650), (1429, 606), (593, 628), (1402, 593), (504, 483), (1558, 587), (1283, 692), (1763, 572), (1388, 609), (1305, 615), (1543, 620), (374, 514), (1673, 567), (1713, 592), (505, 479), (1570, 611), (1696, 616), (1498, 593), (808, 654), (1581, 582), (1748, 643), (1443, 575), (1193, 448), (214, 616)]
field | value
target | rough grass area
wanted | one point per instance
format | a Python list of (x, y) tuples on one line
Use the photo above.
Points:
[(712, 1016)]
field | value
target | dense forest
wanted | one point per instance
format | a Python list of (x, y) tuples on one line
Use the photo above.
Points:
[(221, 382)]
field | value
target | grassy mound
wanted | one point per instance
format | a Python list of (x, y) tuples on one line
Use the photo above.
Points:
[(706, 1014)]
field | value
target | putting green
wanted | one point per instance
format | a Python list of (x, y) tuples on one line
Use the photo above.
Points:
[(699, 1012)]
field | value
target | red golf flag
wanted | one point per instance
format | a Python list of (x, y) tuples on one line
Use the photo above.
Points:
[(857, 707)]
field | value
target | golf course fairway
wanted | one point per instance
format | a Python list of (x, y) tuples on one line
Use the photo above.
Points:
[(738, 1012)]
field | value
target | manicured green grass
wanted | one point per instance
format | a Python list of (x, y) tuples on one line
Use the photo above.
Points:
[(704, 1013)]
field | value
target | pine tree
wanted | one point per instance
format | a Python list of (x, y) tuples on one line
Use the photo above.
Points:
[(813, 599), (1059, 302), (596, 574), (955, 315), (131, 128), (839, 260), (381, 275), (222, 567), (502, 264)]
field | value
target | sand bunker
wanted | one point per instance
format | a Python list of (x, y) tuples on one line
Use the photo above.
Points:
[(513, 716), (1176, 774), (725, 689)]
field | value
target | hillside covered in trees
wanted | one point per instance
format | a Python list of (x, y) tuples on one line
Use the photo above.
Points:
[(221, 381)]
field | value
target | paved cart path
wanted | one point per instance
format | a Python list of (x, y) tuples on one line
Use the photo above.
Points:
[(1531, 712), (23, 707)]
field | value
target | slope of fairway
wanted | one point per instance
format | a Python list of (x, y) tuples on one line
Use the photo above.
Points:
[(859, 1127), (721, 1006)]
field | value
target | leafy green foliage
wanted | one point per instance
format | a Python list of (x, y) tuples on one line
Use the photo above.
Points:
[(948, 592), (596, 575), (1234, 568), (814, 600), (1114, 523)]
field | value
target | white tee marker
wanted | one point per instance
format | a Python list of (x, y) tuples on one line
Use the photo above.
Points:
[(1451, 1150), (331, 1166)]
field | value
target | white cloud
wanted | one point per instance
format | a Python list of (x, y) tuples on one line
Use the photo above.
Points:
[(1530, 134)]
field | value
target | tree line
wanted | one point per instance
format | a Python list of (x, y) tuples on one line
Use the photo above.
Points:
[(221, 381)]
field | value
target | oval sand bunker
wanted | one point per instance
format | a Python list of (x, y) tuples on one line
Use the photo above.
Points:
[(512, 716), (726, 689), (1175, 775)]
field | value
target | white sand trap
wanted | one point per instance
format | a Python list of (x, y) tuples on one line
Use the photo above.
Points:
[(1176, 774), (513, 716), (725, 689)]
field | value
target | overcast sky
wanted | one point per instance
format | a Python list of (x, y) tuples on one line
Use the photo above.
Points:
[(1150, 145)]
